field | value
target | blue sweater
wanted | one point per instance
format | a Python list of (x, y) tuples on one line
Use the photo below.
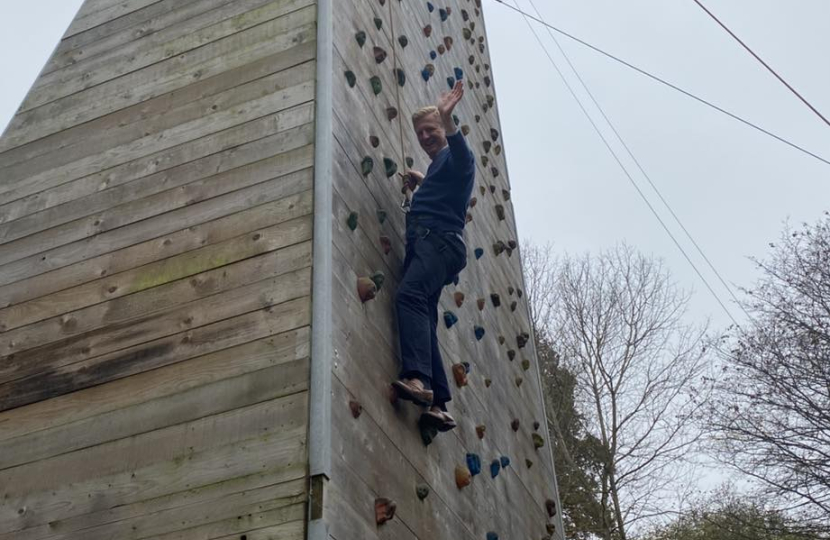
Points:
[(441, 201)]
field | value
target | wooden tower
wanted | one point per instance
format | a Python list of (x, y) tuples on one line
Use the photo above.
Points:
[(188, 196)]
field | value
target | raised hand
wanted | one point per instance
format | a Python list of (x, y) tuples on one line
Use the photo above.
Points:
[(448, 100)]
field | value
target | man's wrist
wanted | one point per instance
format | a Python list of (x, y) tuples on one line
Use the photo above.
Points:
[(449, 125)]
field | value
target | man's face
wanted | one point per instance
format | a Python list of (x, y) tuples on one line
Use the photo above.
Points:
[(431, 134)]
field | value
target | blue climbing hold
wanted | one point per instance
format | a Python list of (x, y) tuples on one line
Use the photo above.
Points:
[(451, 82), (433, 55), (505, 462), (479, 332), (450, 319), (459, 73), (430, 7), (444, 14), (492, 536), (425, 74), (495, 467), (479, 252), (474, 464), (466, 367)]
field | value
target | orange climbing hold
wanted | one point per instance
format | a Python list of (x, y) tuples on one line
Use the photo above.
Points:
[(463, 477), (458, 296), (459, 372), (366, 289), (481, 303)]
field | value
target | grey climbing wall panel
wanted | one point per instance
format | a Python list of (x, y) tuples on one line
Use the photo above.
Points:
[(390, 58)]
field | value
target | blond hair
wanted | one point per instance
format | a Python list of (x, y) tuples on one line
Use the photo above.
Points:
[(424, 112)]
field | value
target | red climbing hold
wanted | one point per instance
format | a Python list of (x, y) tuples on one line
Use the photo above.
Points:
[(380, 54), (385, 244), (391, 113), (384, 510), (428, 30), (480, 431), (356, 408), (481, 303), (374, 141)]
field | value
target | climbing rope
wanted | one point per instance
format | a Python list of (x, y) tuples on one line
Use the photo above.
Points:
[(408, 193)]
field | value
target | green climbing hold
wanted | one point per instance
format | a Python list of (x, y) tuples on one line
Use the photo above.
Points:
[(486, 145), (404, 41), (465, 129), (351, 221), (409, 162), (367, 165), (351, 79), (525, 364), (378, 278), (422, 491), (381, 214), (519, 382), (467, 33), (513, 305), (538, 441), (456, 120), (528, 463), (390, 166), (377, 86), (361, 38), (500, 212), (484, 161), (488, 382), (378, 23), (511, 355)]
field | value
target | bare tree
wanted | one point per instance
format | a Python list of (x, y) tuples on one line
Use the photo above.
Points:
[(616, 322), (771, 415)]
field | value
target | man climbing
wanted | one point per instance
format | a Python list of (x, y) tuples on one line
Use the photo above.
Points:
[(435, 254)]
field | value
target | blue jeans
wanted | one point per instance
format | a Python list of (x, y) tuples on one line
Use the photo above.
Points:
[(433, 259)]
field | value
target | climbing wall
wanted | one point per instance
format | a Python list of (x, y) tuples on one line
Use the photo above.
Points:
[(155, 275), (493, 476)]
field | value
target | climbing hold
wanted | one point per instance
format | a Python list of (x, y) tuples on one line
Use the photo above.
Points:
[(377, 86), (487, 383), (467, 34), (473, 27), (514, 425), (500, 212), (528, 463), (473, 202), (391, 113), (505, 462), (484, 161), (448, 41), (378, 278), (519, 382), (357, 409), (422, 491), (469, 218), (385, 244), (482, 190), (382, 2), (390, 167), (431, 69), (380, 54), (496, 299), (505, 194), (459, 73), (374, 141), (425, 74), (498, 248), (450, 82), (401, 76), (441, 49), (525, 364), (384, 510), (477, 85), (487, 81), (465, 129), (459, 372), (427, 430), (430, 7), (409, 161), (494, 134), (351, 221), (450, 319), (513, 305), (512, 245), (480, 431), (478, 118), (481, 48), (536, 425), (495, 467), (502, 340), (480, 303), (510, 290), (490, 99), (474, 464), (458, 296), (550, 528), (487, 145), (521, 339), (351, 79), (361, 38), (378, 23), (366, 289), (492, 536), (463, 478), (538, 441), (404, 41), (433, 55), (367, 165), (494, 171), (428, 30), (471, 59), (478, 253), (479, 332), (443, 13), (464, 15), (497, 148), (456, 120), (511, 354), (381, 214), (518, 292), (550, 506)]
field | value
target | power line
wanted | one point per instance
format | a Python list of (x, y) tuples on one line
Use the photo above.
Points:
[(750, 51), (639, 166), (668, 84), (625, 170)]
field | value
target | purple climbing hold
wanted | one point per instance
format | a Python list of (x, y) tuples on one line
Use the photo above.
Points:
[(474, 464), (450, 318), (459, 74), (495, 467), (479, 331)]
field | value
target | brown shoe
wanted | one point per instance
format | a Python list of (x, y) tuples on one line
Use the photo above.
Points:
[(440, 420), (409, 392)]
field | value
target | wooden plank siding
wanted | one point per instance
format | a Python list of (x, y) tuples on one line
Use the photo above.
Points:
[(380, 454), (156, 232)]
